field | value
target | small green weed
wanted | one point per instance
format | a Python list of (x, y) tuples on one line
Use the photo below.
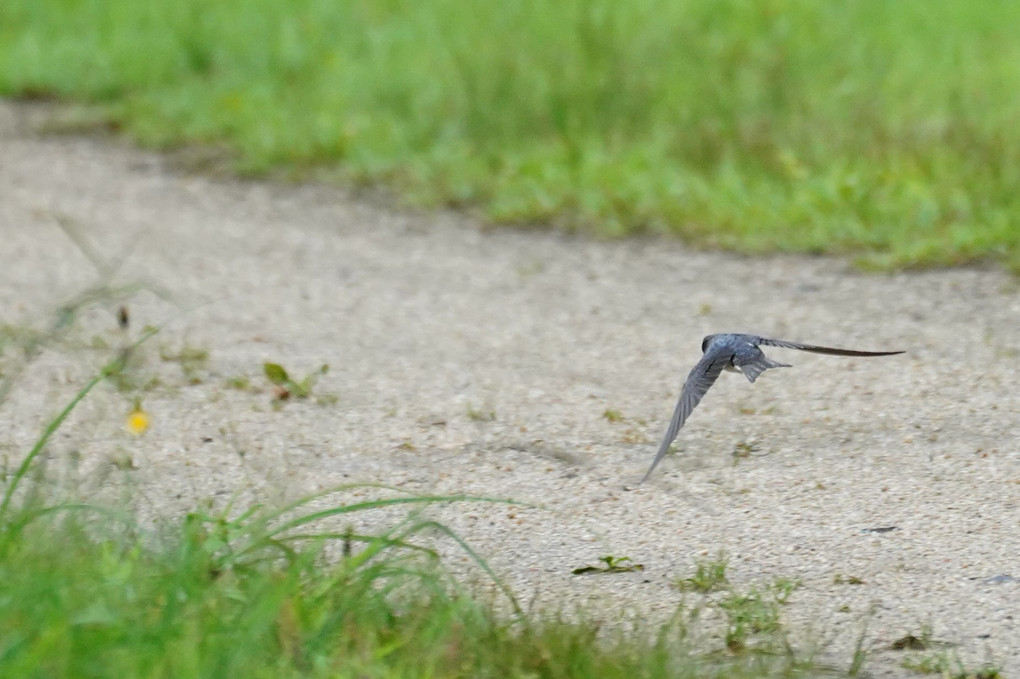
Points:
[(751, 617), (743, 450), (613, 415), (782, 588), (477, 415), (934, 663), (753, 623), (286, 387), (611, 564), (860, 656), (709, 576), (948, 666), (939, 659), (911, 642)]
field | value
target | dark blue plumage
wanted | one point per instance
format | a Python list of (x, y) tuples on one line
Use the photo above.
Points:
[(737, 353)]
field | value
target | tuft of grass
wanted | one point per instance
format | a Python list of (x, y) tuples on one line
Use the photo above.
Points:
[(82, 601), (117, 603), (709, 576), (751, 615), (753, 618), (860, 655), (884, 131), (612, 415), (228, 596), (938, 658), (949, 666), (782, 588), (753, 622)]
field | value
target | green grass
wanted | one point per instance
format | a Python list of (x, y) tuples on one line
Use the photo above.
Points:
[(886, 130), (709, 576), (204, 598), (82, 601)]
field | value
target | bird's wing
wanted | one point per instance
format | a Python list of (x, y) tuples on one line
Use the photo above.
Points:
[(822, 350), (702, 377)]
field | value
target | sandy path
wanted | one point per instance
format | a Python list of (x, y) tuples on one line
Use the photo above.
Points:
[(429, 324)]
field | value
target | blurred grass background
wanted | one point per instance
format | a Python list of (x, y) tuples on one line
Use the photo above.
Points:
[(889, 131)]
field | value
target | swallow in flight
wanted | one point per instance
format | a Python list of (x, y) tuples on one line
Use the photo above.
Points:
[(736, 353)]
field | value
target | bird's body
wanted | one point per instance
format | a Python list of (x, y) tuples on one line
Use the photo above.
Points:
[(736, 353)]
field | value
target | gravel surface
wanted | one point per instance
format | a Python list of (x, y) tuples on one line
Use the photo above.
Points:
[(464, 360)]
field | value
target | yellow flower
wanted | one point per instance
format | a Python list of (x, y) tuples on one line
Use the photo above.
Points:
[(137, 421)]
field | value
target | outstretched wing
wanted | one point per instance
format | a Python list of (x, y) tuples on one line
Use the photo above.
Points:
[(702, 377), (822, 350)]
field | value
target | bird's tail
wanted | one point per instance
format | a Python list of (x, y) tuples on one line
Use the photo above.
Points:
[(755, 368)]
